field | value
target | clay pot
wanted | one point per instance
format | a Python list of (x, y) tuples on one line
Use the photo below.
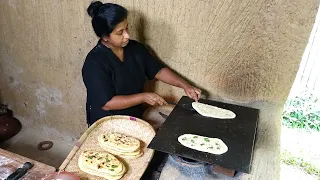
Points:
[(9, 126)]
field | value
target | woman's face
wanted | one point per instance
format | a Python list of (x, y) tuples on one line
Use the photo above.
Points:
[(120, 35)]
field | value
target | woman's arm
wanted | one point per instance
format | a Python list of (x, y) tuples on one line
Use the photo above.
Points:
[(169, 77), (126, 101)]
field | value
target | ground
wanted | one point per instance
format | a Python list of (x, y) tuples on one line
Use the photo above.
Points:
[(26, 141), (293, 173), (298, 145)]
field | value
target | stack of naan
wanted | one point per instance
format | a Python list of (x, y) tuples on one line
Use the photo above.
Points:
[(101, 164), (104, 163), (119, 144)]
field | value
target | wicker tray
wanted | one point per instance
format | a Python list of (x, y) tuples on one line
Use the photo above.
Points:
[(123, 124)]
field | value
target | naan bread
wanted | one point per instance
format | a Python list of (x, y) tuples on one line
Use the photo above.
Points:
[(213, 111), (101, 164), (116, 152), (132, 155), (95, 173), (119, 142), (204, 144)]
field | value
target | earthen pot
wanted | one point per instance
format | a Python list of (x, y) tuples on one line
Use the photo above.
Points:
[(9, 126)]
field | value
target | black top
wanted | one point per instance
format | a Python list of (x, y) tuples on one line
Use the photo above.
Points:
[(105, 76)]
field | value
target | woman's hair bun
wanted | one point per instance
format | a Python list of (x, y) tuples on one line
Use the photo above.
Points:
[(94, 7)]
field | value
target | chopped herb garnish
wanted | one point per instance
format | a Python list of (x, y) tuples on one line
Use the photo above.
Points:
[(210, 147), (183, 139), (202, 144), (90, 157), (111, 169), (114, 166), (207, 139), (192, 141), (195, 136)]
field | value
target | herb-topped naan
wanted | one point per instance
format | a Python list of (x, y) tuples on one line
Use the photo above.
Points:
[(119, 142), (204, 144), (121, 145), (101, 164)]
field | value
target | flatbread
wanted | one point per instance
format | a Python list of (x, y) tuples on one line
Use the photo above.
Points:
[(121, 145), (213, 111), (125, 155), (116, 152), (119, 142), (101, 164), (203, 144), (95, 173), (119, 151)]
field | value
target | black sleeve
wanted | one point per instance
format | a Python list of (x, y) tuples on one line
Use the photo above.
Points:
[(99, 84), (152, 65)]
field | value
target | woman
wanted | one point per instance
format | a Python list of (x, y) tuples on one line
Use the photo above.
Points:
[(116, 69)]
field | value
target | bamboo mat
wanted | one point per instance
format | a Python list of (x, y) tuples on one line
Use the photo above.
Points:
[(122, 124)]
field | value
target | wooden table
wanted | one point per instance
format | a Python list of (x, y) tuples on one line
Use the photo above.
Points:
[(9, 162)]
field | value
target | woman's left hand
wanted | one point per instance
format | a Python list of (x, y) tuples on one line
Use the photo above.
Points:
[(193, 92)]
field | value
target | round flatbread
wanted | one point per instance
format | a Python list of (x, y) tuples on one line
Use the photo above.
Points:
[(203, 144), (213, 111)]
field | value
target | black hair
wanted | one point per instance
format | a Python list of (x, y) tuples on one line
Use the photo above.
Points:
[(105, 17)]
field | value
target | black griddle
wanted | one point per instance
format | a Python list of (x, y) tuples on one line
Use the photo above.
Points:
[(238, 134)]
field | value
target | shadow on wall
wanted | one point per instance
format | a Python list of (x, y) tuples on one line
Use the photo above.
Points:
[(140, 26), (1, 99), (2, 76)]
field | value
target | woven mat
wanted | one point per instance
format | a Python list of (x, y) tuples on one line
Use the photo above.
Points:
[(122, 124)]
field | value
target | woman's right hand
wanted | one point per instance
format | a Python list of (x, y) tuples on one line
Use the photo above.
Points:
[(153, 99)]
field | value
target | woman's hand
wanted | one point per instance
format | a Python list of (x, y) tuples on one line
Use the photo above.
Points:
[(153, 99), (192, 92)]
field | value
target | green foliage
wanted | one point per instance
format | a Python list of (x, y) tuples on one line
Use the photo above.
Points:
[(302, 111)]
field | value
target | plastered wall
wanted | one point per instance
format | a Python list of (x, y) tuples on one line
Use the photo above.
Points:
[(239, 50)]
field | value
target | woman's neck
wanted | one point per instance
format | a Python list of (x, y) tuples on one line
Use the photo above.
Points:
[(117, 51), (110, 46)]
